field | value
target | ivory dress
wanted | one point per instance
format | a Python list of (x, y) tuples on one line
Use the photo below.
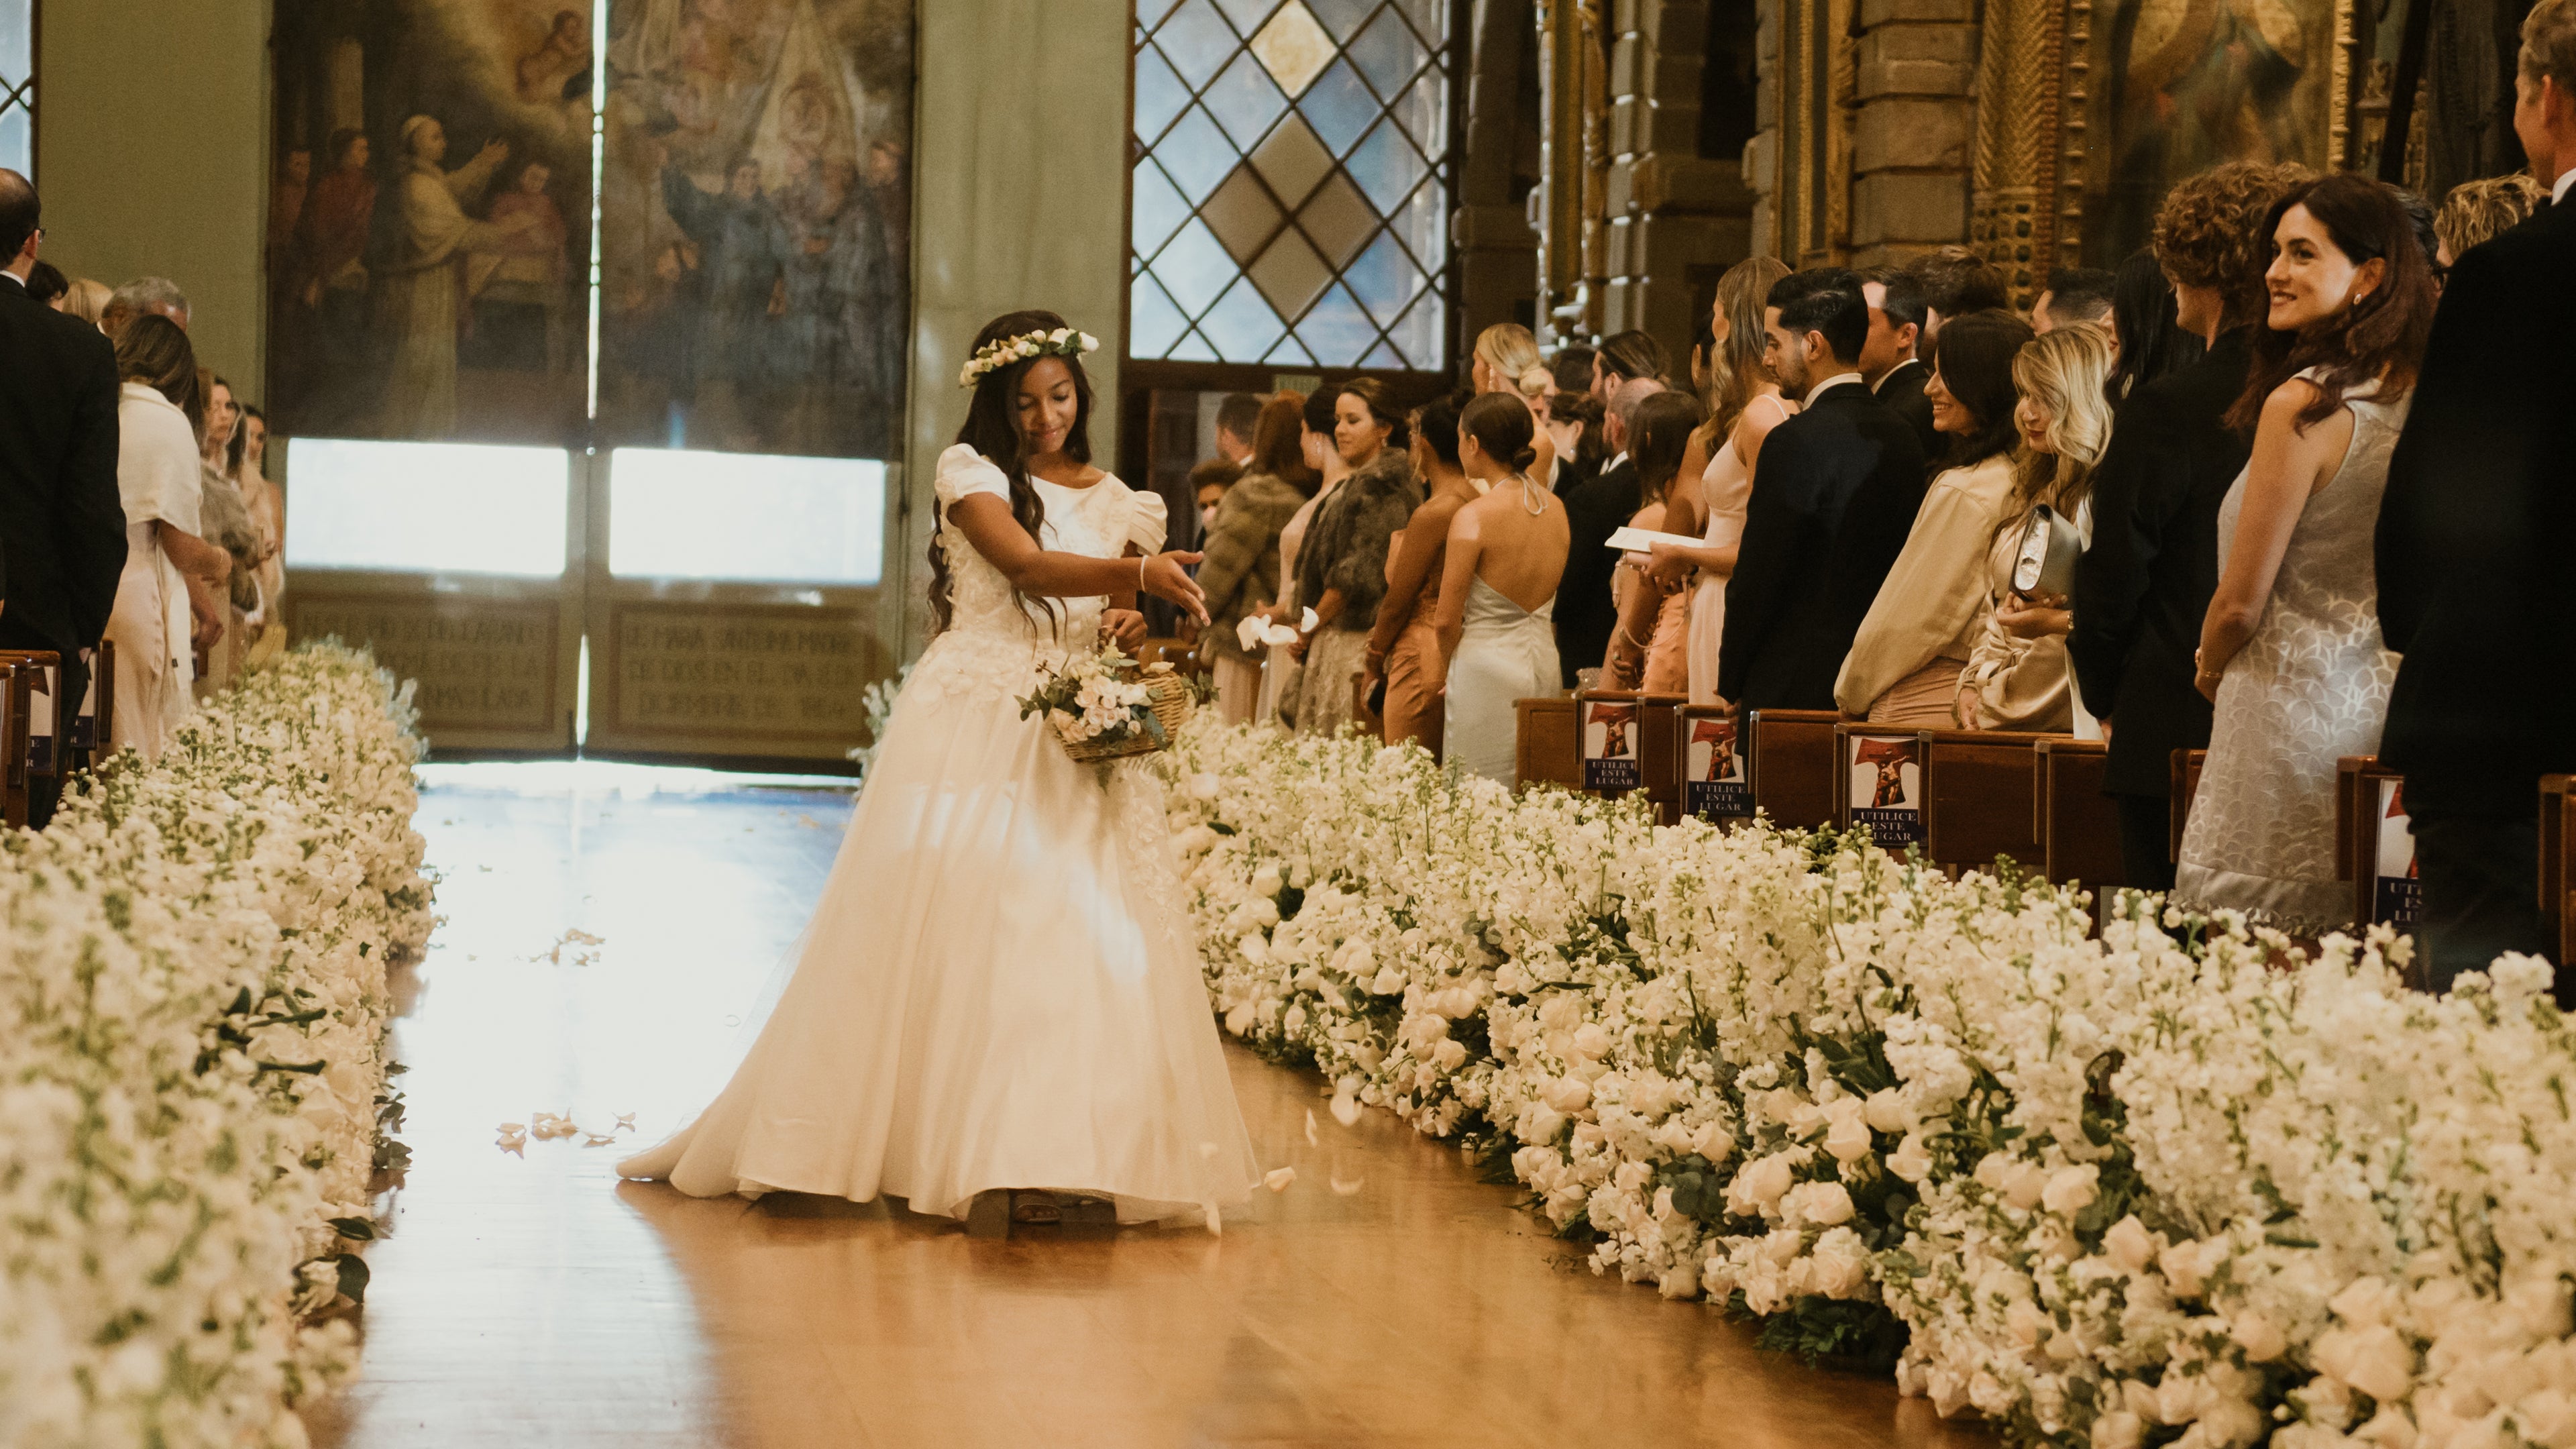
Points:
[(158, 482), (1726, 489), (998, 988), (1505, 653), (2310, 687)]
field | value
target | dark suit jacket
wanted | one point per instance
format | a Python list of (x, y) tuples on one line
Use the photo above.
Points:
[(1901, 392), (1585, 615), (2142, 590), (1837, 492), (2477, 586), (62, 529)]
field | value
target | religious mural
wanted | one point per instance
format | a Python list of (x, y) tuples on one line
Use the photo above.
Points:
[(755, 225), (428, 231)]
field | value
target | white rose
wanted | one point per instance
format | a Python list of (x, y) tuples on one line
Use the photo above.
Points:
[(2025, 1321), (1889, 1112), (1265, 911), (2258, 1335), (1591, 1041), (1821, 1203), (2375, 1360), (1449, 1055), (1568, 1095), (1239, 1020), (1762, 1181), (2118, 1429), (2229, 1423), (1540, 1123), (1265, 881), (2130, 1245), (1846, 1129), (2187, 1266), (2024, 1184), (1679, 1281), (1842, 1264), (2072, 1189), (1389, 982), (2364, 1302), (1912, 1160), (1712, 1141)]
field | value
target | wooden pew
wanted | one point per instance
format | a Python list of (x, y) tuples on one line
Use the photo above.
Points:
[(2186, 783), (2078, 825), (1878, 782), (1717, 784), (1980, 797), (95, 723), (45, 714), (2558, 868), (1629, 742), (16, 689), (1546, 749), (2374, 847), (1792, 763)]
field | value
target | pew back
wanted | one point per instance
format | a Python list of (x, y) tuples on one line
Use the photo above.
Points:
[(1979, 797), (2078, 825), (1792, 763), (1546, 749)]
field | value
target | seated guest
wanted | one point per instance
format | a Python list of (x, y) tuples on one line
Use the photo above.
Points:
[(1404, 647), (1650, 646), (2146, 342), (1914, 643), (173, 586), (1500, 569), (1341, 566), (2477, 211), (1839, 488), (1627, 357), (2074, 294), (2475, 589), (2142, 589), (2017, 677), (1575, 429), (2291, 653), (1888, 360), (1585, 612), (1956, 282), (1240, 574)]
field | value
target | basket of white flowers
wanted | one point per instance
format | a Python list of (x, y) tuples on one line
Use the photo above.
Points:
[(1105, 706)]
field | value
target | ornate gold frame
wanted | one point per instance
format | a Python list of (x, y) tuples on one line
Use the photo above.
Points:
[(1818, 81)]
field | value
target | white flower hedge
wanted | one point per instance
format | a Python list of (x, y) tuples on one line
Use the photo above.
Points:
[(192, 1070), (2136, 1188)]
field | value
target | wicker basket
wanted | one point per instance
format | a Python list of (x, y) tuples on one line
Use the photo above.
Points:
[(1173, 704)]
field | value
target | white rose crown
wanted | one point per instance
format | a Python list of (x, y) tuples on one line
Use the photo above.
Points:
[(1062, 342)]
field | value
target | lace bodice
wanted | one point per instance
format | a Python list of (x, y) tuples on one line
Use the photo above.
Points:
[(993, 640)]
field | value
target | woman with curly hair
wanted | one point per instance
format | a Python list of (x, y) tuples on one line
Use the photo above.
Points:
[(2477, 210)]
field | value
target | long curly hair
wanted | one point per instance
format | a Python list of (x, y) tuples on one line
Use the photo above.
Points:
[(2379, 337), (992, 428), (2211, 232)]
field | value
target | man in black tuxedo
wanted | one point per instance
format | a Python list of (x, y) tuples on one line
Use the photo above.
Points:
[(1841, 483), (62, 528), (1594, 509), (2477, 589), (1887, 360), (2143, 588)]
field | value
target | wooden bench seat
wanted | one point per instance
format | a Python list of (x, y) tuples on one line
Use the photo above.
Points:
[(1792, 762), (1980, 797), (2078, 825)]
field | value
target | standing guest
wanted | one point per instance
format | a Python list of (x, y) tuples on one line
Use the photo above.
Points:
[(169, 596), (1499, 575), (144, 297), (1506, 361), (1650, 646), (1839, 488), (226, 523), (1577, 433), (2074, 295), (1888, 361), (1572, 369), (1238, 419), (1914, 643), (2142, 590), (2291, 652), (1745, 405), (47, 284), (1285, 670), (1240, 574), (86, 300), (62, 530), (2474, 584), (1208, 484), (268, 517), (1627, 357), (1585, 613), (1404, 645), (2146, 342), (2017, 677), (1956, 282), (1341, 566), (2476, 212)]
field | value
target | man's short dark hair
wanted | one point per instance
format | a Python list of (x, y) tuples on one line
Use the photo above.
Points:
[(1826, 300), (1957, 281), (1239, 414), (1905, 302), (2080, 294), (19, 214), (45, 282), (1572, 367)]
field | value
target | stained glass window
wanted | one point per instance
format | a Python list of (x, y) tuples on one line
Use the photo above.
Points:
[(1291, 195), (18, 86)]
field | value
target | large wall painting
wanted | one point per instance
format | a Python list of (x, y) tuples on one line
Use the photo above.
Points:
[(429, 221), (755, 225)]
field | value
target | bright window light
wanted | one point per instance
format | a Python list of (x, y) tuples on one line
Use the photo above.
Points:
[(690, 515), (426, 507)]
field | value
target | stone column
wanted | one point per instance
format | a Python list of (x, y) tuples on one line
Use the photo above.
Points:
[(1670, 213), (1915, 79), (1496, 248)]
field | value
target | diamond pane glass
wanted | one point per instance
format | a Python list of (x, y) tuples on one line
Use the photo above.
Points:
[(17, 42), (1293, 47), (1193, 348), (17, 141), (1159, 94), (1425, 15), (1384, 279), (1338, 328), (1247, 15), (1382, 356), (1153, 323), (1292, 160), (1241, 326), (1197, 40), (1387, 53), (1194, 268), (1159, 208), (1386, 166), (1344, 17), (1244, 100), (1291, 275), (1291, 350), (1340, 106), (1424, 112), (1418, 335), (1196, 154), (1422, 225), (1151, 12), (1242, 215), (1338, 220)]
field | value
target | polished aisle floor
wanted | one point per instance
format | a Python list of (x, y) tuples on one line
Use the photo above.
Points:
[(606, 929)]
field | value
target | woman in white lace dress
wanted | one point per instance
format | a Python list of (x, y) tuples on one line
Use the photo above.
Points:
[(2291, 652), (997, 1011)]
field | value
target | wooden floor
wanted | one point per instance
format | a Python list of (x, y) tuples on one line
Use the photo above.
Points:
[(535, 1300)]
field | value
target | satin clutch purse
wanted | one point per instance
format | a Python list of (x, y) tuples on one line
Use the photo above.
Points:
[(2049, 548)]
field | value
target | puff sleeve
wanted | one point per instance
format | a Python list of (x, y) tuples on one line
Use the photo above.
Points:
[(963, 471), (1148, 520)]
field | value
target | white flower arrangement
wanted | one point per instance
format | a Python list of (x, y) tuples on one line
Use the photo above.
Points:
[(2140, 1187), (1100, 698), (1061, 342), (193, 1088)]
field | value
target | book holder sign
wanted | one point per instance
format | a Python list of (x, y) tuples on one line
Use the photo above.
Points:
[(2396, 895), (1613, 753), (1715, 783), (1883, 787)]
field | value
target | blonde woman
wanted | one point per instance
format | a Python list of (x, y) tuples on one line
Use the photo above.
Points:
[(2477, 210), (2017, 676), (1507, 361)]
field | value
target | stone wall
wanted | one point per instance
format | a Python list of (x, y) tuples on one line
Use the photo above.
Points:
[(1674, 218)]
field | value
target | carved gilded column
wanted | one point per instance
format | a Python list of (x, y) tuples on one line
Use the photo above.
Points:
[(2014, 199)]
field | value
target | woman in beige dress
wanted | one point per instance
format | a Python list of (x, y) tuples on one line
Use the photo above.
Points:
[(170, 596), (1285, 671), (1649, 649)]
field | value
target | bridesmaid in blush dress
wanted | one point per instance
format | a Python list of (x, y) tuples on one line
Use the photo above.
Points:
[(1506, 555), (1647, 650), (1404, 645)]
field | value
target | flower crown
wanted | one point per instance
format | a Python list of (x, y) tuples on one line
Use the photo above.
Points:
[(1062, 342)]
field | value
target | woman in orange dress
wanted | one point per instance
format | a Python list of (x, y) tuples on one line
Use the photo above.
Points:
[(1404, 646), (1650, 650)]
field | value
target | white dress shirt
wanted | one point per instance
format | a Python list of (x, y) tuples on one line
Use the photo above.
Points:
[(2566, 179), (1837, 380)]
